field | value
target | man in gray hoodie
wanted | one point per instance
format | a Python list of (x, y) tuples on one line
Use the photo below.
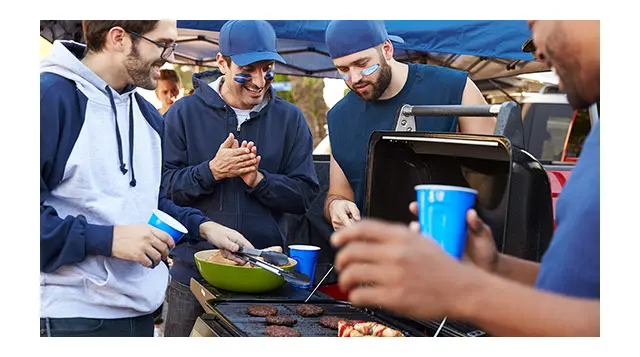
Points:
[(100, 180)]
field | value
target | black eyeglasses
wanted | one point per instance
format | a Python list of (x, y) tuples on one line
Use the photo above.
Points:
[(167, 50), (529, 46)]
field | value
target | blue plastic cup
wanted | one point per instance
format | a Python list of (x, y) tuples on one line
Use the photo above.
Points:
[(306, 256), (442, 213), (166, 223)]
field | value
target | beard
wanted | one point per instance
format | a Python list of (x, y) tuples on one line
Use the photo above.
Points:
[(140, 71), (580, 85), (580, 91), (575, 96), (378, 87)]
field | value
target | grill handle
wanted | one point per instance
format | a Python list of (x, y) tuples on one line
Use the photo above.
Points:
[(508, 117)]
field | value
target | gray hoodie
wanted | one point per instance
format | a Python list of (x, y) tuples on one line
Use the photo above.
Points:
[(99, 184)]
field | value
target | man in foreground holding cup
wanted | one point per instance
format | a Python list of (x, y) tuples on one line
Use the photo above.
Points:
[(100, 172), (395, 267)]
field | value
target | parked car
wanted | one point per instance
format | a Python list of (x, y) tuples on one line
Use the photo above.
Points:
[(554, 134)]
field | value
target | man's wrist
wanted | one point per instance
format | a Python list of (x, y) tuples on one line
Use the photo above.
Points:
[(469, 297), (256, 181), (203, 229), (327, 203), (216, 175)]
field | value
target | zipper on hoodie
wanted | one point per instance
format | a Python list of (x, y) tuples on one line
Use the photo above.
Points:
[(236, 183)]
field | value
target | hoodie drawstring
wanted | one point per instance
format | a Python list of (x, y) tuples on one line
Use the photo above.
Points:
[(132, 183), (118, 138), (123, 168)]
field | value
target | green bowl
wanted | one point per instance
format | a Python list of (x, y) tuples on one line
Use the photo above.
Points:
[(238, 278)]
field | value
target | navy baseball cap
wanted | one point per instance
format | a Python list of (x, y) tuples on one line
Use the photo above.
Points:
[(344, 37), (249, 41)]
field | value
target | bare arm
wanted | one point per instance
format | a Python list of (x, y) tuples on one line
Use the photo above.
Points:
[(339, 187), (520, 270), (475, 125), (482, 251), (383, 265), (505, 308)]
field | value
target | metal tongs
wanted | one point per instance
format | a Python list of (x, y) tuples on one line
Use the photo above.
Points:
[(292, 277), (274, 258)]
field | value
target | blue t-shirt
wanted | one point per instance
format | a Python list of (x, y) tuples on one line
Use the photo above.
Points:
[(352, 121), (571, 265)]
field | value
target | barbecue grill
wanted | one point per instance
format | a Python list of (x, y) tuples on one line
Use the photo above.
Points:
[(226, 314)]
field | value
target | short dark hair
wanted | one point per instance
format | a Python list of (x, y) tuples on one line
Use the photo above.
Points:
[(95, 31), (170, 75), (227, 59)]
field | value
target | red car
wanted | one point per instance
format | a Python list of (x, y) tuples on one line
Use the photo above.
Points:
[(554, 134)]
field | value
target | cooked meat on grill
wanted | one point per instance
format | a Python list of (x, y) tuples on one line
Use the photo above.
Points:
[(308, 310), (281, 320), (281, 331), (275, 248), (262, 310), (330, 322)]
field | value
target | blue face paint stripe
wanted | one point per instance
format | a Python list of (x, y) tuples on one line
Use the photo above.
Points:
[(370, 70), (365, 72), (269, 76), (242, 78)]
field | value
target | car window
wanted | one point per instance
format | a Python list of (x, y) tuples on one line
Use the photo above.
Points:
[(547, 125)]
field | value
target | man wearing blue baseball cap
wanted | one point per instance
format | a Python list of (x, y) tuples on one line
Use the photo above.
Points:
[(362, 51), (237, 152)]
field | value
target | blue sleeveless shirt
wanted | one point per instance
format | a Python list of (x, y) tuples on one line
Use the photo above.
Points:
[(352, 121)]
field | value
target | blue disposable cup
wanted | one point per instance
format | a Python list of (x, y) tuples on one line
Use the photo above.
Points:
[(306, 256), (442, 213), (166, 223)]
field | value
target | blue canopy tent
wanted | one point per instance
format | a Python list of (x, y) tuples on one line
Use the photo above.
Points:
[(485, 49)]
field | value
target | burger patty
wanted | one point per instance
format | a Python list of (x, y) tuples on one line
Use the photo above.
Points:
[(262, 310), (281, 331), (281, 320), (308, 310), (330, 322)]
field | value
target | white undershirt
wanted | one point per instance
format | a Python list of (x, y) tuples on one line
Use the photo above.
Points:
[(242, 114)]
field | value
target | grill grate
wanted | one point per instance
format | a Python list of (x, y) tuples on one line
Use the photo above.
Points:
[(233, 319)]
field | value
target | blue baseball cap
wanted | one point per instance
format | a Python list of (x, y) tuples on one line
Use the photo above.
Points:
[(249, 41), (344, 37)]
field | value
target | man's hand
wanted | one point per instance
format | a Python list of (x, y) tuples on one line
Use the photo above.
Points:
[(141, 243), (232, 161), (343, 213), (254, 177), (390, 266), (480, 247), (227, 239)]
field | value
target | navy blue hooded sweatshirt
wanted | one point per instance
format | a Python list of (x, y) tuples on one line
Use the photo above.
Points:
[(196, 125)]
